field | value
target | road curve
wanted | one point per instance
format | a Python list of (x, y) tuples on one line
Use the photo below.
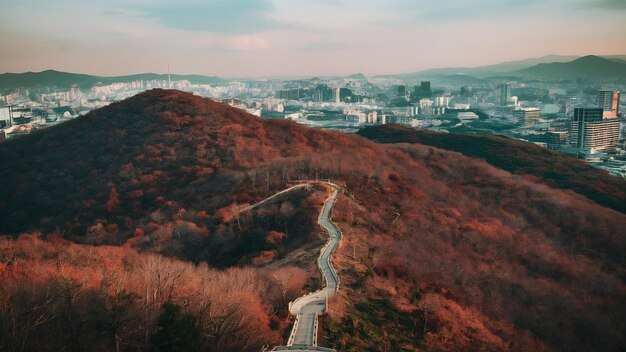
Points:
[(307, 308)]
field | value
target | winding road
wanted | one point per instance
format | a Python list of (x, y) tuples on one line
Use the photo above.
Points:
[(307, 308)]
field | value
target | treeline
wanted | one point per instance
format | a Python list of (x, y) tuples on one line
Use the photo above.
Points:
[(549, 167), (59, 296)]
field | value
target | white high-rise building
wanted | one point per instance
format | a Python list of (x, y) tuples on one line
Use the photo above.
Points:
[(75, 93), (5, 116), (337, 95)]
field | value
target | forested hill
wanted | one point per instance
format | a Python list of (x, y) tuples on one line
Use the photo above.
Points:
[(518, 157), (113, 216)]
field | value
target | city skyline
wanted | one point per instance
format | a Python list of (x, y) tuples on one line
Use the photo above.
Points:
[(256, 38)]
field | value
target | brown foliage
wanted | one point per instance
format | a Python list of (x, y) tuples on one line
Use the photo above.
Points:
[(107, 298), (113, 203), (441, 250)]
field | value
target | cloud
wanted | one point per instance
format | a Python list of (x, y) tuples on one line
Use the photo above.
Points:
[(324, 46), (436, 10), (248, 42), (213, 16), (298, 36), (606, 4)]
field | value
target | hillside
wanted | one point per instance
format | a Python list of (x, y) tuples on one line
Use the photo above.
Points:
[(107, 215), (487, 70), (518, 157), (66, 80), (587, 67), (546, 67)]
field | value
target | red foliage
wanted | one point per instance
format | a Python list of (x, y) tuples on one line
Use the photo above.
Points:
[(113, 203), (56, 283), (503, 262), (275, 237)]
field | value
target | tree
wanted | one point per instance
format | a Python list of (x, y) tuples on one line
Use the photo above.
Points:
[(275, 238), (175, 331), (286, 211), (113, 204)]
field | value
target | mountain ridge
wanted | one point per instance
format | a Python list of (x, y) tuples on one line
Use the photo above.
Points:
[(586, 67), (493, 69), (514, 67), (66, 79)]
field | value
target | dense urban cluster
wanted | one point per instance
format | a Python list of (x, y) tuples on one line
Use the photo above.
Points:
[(577, 117)]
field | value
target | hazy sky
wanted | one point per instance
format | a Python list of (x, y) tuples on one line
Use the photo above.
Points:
[(296, 37)]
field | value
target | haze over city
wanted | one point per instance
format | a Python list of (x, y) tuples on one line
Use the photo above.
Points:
[(238, 38)]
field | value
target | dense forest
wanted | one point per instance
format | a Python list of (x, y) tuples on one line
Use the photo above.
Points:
[(122, 229), (552, 168)]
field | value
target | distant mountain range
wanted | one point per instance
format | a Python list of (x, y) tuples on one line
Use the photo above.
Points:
[(612, 67), (546, 67), (490, 70), (65, 79), (589, 67)]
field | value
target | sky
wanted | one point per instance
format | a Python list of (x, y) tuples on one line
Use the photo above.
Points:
[(262, 38)]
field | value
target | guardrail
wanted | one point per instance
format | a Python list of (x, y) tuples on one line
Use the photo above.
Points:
[(303, 348), (315, 331), (292, 336), (332, 268), (268, 199), (336, 228), (325, 254)]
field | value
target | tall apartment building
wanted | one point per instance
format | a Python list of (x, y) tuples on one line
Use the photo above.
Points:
[(609, 102), (590, 131), (505, 93), (5, 116), (401, 93)]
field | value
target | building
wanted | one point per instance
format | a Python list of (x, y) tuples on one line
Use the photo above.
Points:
[(556, 138), (467, 116), (589, 131), (401, 91), (372, 117), (467, 91), (290, 94), (505, 93), (337, 95), (405, 111), (425, 106), (74, 93), (609, 102), (425, 88), (5, 116), (529, 116)]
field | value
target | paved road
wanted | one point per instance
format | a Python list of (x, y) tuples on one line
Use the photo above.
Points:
[(307, 308)]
